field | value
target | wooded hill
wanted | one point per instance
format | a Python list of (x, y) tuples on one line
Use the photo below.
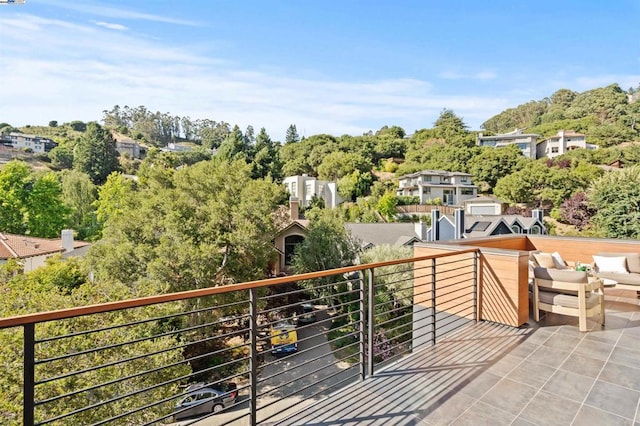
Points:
[(605, 115)]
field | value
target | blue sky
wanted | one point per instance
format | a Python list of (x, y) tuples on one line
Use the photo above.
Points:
[(331, 66)]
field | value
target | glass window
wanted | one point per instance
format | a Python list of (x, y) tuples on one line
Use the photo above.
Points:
[(466, 191), (294, 189), (554, 150), (426, 178), (535, 229), (426, 190)]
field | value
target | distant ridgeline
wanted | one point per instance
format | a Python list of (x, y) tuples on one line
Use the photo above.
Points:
[(607, 115)]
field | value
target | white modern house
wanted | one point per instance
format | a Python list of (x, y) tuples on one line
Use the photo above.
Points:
[(453, 188), (24, 141), (563, 142), (305, 187), (526, 142)]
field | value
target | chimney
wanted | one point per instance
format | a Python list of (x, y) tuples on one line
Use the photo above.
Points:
[(538, 214), (435, 225), (458, 219), (67, 240), (420, 228), (294, 208)]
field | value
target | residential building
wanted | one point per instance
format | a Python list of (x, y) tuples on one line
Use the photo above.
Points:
[(396, 234), (453, 188), (484, 206), (128, 146), (526, 142), (33, 252), (24, 141), (305, 187), (563, 142), (461, 225)]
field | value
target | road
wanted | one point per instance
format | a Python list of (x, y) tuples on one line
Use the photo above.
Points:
[(291, 382)]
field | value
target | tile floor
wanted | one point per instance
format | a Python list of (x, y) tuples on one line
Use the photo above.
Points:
[(488, 374)]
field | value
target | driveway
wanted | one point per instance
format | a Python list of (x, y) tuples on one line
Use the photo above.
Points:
[(305, 384)]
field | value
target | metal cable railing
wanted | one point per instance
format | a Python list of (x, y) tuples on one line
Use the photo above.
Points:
[(183, 356)]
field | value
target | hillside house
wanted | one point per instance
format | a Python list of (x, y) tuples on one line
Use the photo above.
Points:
[(32, 252), (563, 142), (305, 187), (23, 141), (453, 188), (526, 142)]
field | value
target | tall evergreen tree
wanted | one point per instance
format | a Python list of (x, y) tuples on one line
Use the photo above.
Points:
[(292, 135), (95, 154)]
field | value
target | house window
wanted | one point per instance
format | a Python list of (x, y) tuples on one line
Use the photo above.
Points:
[(309, 189), (426, 178), (466, 191), (516, 229), (535, 229), (554, 150), (290, 244), (294, 189), (426, 190)]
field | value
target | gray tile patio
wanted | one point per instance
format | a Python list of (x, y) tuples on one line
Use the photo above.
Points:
[(540, 374)]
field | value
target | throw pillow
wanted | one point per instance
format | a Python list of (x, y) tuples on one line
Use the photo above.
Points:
[(558, 261), (615, 265), (544, 260)]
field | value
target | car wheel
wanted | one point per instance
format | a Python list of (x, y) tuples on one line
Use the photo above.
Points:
[(217, 408)]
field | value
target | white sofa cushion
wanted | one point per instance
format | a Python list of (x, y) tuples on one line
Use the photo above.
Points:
[(616, 265)]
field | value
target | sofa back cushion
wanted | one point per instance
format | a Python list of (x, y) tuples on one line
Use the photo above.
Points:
[(611, 264), (633, 260), (544, 260)]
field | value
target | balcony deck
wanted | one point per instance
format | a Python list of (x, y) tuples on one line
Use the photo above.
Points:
[(546, 374)]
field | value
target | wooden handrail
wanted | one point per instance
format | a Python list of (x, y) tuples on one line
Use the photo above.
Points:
[(60, 314)]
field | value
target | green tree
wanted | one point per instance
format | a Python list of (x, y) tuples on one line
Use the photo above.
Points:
[(113, 198), (354, 185), (266, 162), (62, 156), (450, 127), (493, 164), (204, 225), (616, 198), (235, 147), (30, 203), (387, 205), (46, 214), (58, 286), (80, 195), (95, 154), (394, 284), (15, 182), (339, 164), (328, 245), (292, 135)]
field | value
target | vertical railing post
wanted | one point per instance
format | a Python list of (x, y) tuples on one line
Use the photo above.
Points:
[(29, 367), (363, 327), (253, 362), (433, 302), (370, 321), (475, 286)]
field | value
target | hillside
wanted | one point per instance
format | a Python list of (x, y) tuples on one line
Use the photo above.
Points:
[(604, 114)]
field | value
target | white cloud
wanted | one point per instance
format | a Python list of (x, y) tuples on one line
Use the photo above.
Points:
[(118, 12), (111, 26), (480, 75), (56, 75), (625, 81)]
